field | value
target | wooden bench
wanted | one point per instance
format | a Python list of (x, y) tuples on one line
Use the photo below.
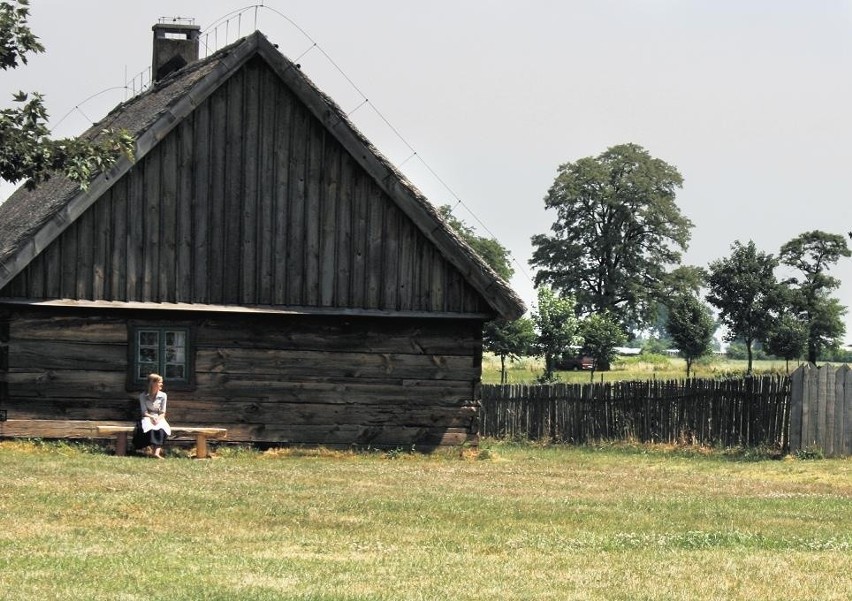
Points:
[(200, 434)]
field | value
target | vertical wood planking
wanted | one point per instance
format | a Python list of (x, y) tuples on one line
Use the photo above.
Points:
[(135, 242), (185, 218), (390, 261), (373, 266), (821, 414), (840, 379), (329, 224), (169, 219), (282, 200), (407, 277), (313, 208), (201, 202), (249, 217), (828, 422), (297, 199), (267, 189), (84, 228), (847, 412), (360, 234), (234, 190), (345, 256), (797, 396), (101, 255), (439, 270), (424, 268), (35, 274), (68, 262), (216, 273), (118, 241), (151, 227), (250, 200)]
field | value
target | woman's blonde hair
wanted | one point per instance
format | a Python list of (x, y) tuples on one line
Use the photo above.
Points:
[(154, 379)]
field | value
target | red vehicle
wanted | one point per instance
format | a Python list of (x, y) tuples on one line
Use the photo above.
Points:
[(575, 363)]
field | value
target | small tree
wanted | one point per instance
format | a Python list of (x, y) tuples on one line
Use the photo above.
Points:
[(556, 323), (691, 327), (601, 334), (509, 340), (744, 289), (813, 254), (788, 338)]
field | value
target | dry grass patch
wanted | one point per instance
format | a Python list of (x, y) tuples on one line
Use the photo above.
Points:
[(530, 522)]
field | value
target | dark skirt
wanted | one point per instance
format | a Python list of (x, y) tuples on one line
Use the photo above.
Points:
[(141, 439)]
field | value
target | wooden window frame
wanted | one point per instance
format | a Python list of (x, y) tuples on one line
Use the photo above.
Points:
[(133, 330)]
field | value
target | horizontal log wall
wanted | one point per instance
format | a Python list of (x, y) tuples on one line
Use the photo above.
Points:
[(741, 412), (297, 380), (248, 201)]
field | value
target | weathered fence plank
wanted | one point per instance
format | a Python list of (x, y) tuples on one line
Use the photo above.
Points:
[(749, 411)]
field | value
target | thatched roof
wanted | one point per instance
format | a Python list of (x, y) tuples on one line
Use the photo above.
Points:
[(32, 219)]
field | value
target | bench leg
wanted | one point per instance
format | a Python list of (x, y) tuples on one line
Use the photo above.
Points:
[(201, 446), (121, 444)]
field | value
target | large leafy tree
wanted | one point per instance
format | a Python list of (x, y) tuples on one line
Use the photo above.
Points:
[(813, 254), (506, 339), (26, 150), (617, 230), (744, 289), (557, 325), (691, 328)]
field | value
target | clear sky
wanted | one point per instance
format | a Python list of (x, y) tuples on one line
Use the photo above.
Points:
[(750, 99)]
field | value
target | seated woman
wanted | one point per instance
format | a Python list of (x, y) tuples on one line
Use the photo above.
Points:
[(153, 427)]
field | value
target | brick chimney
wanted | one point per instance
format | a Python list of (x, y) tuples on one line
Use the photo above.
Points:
[(175, 45)]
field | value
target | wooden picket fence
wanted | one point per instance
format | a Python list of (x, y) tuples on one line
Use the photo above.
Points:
[(733, 412), (821, 410)]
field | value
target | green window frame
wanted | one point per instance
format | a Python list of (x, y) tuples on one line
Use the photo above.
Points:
[(166, 350)]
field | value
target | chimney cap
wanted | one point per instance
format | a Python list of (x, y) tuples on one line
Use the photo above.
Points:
[(162, 27)]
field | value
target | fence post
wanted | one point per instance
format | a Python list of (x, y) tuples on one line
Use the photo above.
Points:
[(797, 407)]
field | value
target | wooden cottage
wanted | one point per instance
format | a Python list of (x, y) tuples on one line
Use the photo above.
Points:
[(287, 281)]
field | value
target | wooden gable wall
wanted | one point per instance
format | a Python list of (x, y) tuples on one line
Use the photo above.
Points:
[(250, 200)]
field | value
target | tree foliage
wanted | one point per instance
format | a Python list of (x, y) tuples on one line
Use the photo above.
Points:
[(556, 324), (691, 328), (601, 334), (509, 340), (744, 289), (788, 338), (26, 150), (617, 229), (506, 339), (497, 256), (813, 253)]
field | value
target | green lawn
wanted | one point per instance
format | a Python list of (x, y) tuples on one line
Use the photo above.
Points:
[(527, 369), (508, 522)]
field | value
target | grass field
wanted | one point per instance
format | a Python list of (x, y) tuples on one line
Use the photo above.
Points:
[(508, 522), (527, 369)]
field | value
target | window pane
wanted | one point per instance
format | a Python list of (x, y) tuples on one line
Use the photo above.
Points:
[(145, 369), (149, 338), (175, 355), (176, 338), (175, 372), (148, 355)]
